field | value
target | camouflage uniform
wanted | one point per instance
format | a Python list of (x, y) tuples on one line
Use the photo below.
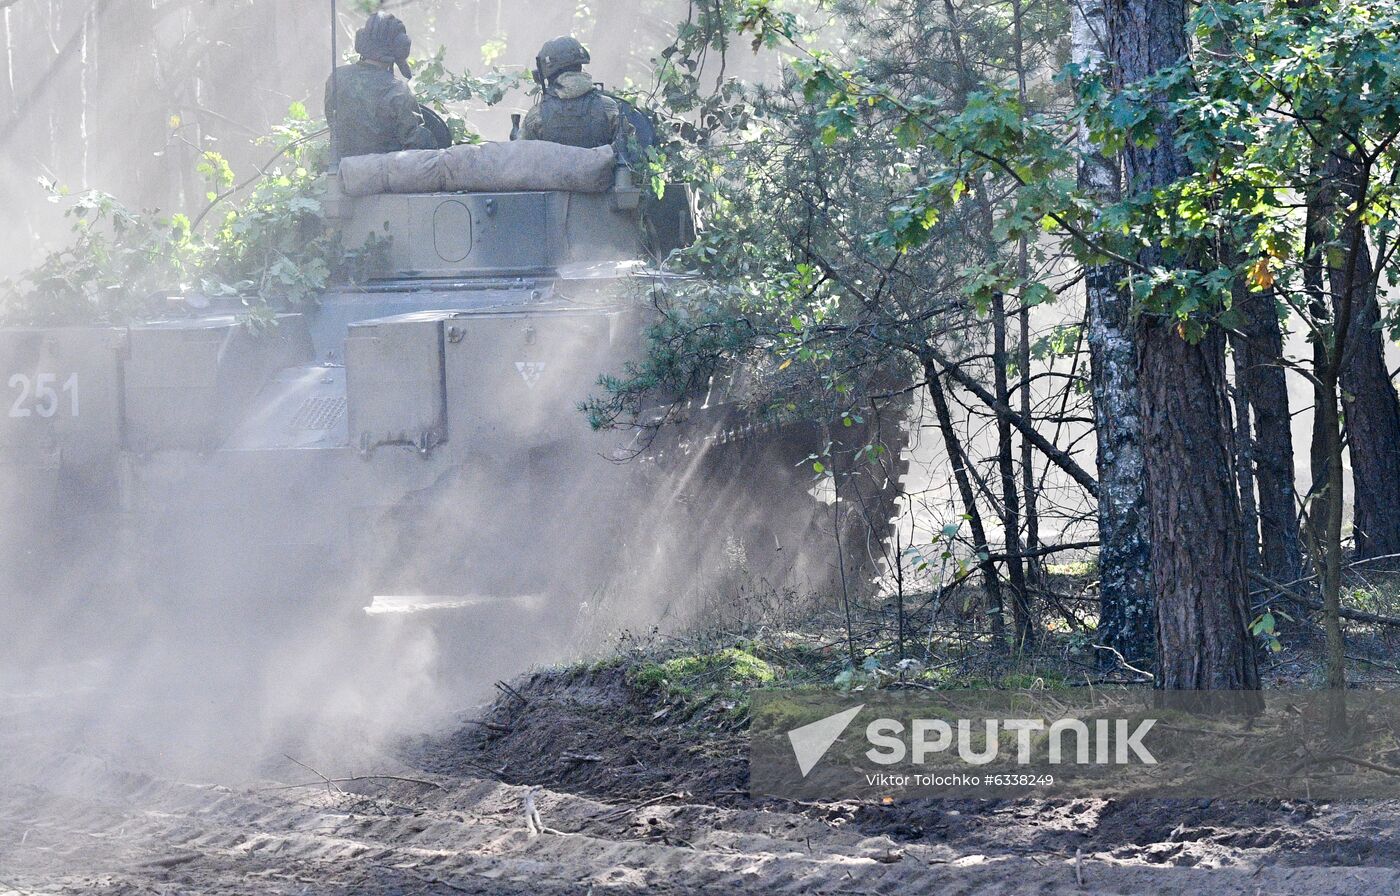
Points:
[(573, 111), (371, 111)]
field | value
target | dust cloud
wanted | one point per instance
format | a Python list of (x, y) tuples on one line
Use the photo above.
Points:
[(142, 615), (223, 614)]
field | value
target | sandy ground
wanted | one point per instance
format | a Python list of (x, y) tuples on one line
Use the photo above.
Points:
[(111, 831), (648, 810)]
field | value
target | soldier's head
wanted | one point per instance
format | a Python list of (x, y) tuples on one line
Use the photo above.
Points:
[(384, 39), (563, 54)]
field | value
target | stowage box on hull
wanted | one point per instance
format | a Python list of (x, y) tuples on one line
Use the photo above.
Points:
[(189, 382), (477, 381)]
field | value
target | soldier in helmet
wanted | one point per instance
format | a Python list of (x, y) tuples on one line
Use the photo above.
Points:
[(572, 110), (368, 108)]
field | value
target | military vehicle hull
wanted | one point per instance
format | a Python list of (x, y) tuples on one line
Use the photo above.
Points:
[(415, 439)]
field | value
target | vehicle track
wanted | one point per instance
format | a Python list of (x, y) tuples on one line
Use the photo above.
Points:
[(81, 823)]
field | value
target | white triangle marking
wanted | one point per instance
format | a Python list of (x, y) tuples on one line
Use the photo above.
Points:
[(530, 371), (810, 742)]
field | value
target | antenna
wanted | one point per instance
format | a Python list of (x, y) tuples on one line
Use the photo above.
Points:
[(330, 94), (335, 33)]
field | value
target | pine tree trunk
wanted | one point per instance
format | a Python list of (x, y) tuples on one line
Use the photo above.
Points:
[(1125, 558), (1281, 553), (1369, 402), (1198, 565), (1244, 454), (1319, 309), (1200, 589), (1372, 414)]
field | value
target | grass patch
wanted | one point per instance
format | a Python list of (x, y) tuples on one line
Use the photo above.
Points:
[(726, 669), (1074, 568)]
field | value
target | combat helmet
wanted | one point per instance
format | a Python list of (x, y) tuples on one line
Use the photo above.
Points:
[(384, 38), (557, 55)]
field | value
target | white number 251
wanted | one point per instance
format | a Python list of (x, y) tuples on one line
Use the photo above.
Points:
[(40, 396)]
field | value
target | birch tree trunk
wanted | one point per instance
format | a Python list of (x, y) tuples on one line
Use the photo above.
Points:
[(1125, 597)]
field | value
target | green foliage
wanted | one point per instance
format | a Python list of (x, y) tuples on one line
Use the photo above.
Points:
[(1265, 628), (274, 249), (215, 170), (445, 91), (276, 246), (1295, 86), (1280, 88), (845, 231), (117, 260), (1076, 568)]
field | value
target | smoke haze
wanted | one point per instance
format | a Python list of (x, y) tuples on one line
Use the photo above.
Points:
[(195, 644), (124, 96)]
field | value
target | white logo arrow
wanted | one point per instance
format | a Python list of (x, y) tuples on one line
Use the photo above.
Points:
[(530, 371), (810, 742)]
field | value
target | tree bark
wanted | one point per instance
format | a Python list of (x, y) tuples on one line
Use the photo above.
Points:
[(1198, 568), (1369, 402), (1351, 283), (1125, 557), (1329, 416), (1244, 455), (1281, 552), (1201, 592), (1372, 413), (1320, 310)]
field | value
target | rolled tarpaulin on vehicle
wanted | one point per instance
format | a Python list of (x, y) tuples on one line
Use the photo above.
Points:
[(519, 166)]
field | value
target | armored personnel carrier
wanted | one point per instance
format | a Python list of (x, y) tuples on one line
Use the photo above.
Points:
[(415, 438)]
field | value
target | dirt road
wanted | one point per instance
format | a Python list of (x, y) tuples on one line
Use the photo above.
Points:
[(109, 830), (85, 822)]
